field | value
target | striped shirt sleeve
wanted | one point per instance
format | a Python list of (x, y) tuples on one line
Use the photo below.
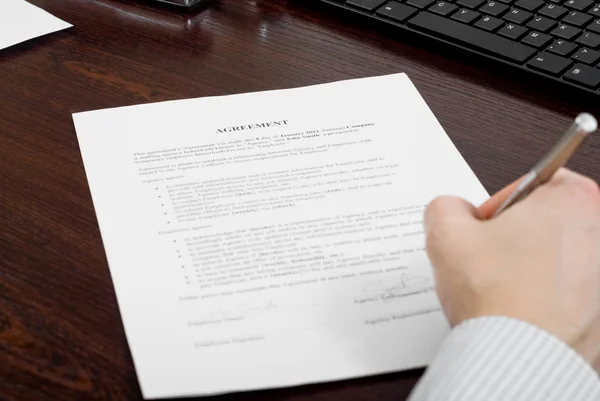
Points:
[(504, 359)]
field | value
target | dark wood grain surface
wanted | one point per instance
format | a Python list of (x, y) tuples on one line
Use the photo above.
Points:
[(61, 336)]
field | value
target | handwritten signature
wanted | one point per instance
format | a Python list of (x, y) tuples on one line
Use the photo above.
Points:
[(387, 292), (238, 312)]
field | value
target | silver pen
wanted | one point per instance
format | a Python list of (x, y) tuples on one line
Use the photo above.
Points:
[(584, 125)]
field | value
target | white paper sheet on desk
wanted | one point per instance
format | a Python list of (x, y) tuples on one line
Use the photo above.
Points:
[(275, 238), (21, 21)]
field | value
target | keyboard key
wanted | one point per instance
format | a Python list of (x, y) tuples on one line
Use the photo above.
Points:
[(587, 56), (489, 23), (494, 8), (396, 11), (472, 37), (465, 15), (594, 26), (595, 11), (470, 3), (421, 4), (589, 39), (584, 75), (580, 5), (562, 47), (367, 5), (566, 31), (443, 8), (577, 18), (530, 5), (549, 63), (506, 1), (553, 11), (537, 39), (512, 31), (541, 24), (517, 16)]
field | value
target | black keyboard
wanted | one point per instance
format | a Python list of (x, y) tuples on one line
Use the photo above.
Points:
[(558, 39)]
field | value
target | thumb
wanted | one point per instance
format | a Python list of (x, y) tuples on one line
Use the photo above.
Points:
[(448, 221)]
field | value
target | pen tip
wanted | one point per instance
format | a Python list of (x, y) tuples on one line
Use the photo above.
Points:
[(587, 122)]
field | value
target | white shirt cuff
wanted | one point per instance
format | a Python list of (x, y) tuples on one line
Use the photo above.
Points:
[(504, 359)]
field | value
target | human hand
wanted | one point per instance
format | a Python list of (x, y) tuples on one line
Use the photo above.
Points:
[(539, 261)]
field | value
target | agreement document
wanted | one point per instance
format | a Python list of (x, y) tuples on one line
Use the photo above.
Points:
[(21, 21), (274, 238)]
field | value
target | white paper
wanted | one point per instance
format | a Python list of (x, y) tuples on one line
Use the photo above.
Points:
[(275, 255), (21, 21)]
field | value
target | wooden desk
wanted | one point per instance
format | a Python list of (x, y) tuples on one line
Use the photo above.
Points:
[(61, 336)]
